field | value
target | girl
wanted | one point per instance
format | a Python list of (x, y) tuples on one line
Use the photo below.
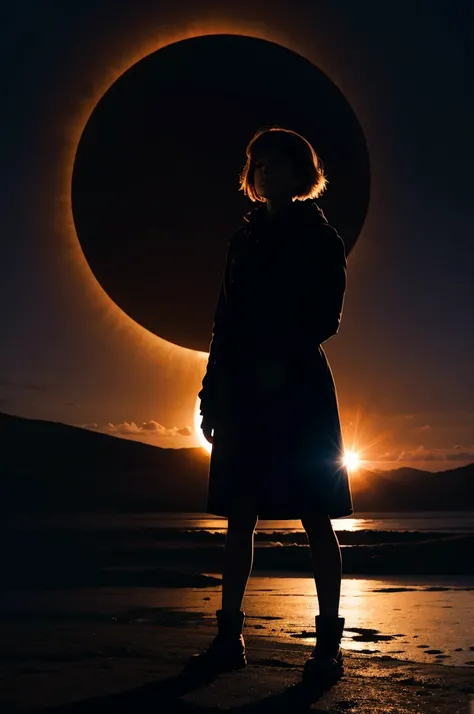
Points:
[(268, 399)]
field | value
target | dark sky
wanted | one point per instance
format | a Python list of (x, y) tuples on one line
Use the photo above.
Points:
[(402, 360)]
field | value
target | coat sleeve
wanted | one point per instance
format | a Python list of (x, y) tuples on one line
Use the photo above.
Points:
[(326, 289), (219, 346)]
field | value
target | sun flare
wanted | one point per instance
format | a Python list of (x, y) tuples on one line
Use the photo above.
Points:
[(351, 460)]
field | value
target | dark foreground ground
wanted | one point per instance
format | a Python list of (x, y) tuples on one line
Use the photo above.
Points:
[(135, 668)]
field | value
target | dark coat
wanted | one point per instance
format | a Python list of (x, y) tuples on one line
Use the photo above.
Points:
[(268, 390)]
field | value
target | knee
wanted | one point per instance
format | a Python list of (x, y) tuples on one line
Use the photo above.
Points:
[(317, 525)]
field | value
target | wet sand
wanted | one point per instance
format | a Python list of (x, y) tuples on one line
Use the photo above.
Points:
[(135, 668), (424, 620)]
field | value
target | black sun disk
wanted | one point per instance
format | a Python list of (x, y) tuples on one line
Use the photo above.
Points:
[(155, 180)]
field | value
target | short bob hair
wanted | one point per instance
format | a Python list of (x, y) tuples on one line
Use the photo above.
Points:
[(306, 163)]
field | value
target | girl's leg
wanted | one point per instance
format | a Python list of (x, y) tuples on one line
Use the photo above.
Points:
[(327, 561), (238, 558), (227, 650)]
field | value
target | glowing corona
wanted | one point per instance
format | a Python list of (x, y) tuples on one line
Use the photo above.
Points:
[(197, 428)]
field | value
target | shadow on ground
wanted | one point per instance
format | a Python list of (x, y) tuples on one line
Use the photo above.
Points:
[(165, 696)]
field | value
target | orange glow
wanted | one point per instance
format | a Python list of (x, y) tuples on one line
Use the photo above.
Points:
[(197, 428), (351, 460), (111, 69), (362, 441)]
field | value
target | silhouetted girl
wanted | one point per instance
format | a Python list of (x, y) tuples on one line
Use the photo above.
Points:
[(268, 399)]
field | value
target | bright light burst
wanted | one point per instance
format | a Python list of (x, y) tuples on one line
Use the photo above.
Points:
[(351, 460)]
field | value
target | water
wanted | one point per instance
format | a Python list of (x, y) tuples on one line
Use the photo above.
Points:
[(420, 620), (439, 521)]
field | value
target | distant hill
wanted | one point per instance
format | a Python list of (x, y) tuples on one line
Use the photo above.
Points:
[(48, 466), (52, 466), (407, 489)]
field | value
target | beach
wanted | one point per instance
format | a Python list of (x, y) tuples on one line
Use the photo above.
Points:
[(103, 607), (136, 668)]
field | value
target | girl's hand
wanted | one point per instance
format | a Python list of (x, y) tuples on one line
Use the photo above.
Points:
[(207, 429)]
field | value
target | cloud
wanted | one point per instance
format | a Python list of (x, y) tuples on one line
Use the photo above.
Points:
[(185, 431), (145, 429)]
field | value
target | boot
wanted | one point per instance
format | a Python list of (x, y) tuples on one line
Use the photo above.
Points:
[(325, 664), (227, 650)]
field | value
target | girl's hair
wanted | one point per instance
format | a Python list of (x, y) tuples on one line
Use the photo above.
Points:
[(306, 163)]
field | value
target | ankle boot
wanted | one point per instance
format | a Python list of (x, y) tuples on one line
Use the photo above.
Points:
[(227, 650), (326, 664)]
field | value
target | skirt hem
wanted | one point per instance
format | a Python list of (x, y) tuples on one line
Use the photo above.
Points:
[(223, 513)]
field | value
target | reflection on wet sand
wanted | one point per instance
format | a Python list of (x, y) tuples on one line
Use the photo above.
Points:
[(385, 616)]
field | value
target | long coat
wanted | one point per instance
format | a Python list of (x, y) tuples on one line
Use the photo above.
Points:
[(268, 390)]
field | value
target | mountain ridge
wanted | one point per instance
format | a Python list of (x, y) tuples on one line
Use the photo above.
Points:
[(50, 466)]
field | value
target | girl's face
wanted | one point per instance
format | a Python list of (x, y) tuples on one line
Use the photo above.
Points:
[(274, 176)]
